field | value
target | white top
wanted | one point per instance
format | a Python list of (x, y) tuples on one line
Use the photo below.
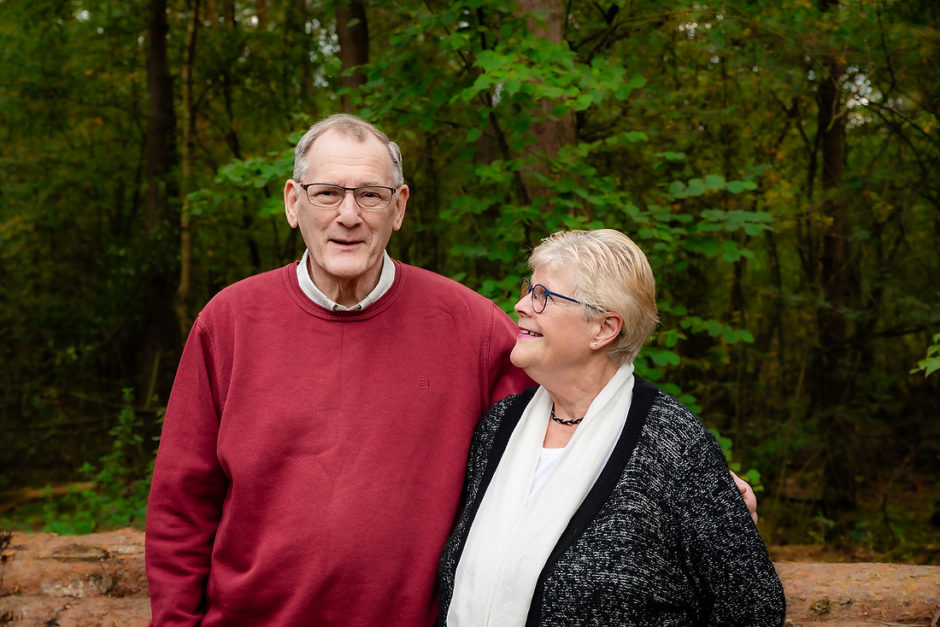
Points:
[(547, 461)]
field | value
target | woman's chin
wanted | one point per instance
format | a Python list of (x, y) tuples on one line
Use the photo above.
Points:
[(518, 357)]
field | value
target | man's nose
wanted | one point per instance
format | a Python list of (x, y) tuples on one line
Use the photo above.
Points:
[(349, 210)]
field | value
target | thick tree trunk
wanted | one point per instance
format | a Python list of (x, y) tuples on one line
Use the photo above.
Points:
[(161, 120), (835, 388), (352, 30), (550, 133), (157, 247)]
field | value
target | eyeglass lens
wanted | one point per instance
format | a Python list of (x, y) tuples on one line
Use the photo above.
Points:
[(538, 294), (333, 195)]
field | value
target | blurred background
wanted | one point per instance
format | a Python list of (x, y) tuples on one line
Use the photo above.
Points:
[(777, 162)]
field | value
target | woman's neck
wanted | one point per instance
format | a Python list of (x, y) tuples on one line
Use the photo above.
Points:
[(572, 395)]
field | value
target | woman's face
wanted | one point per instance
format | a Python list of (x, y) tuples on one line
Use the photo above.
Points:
[(556, 341)]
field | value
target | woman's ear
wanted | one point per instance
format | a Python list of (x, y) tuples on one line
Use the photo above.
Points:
[(610, 326)]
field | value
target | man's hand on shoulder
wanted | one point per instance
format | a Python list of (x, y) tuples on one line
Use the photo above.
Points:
[(750, 499)]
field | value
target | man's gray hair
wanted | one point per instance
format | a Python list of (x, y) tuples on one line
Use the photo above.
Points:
[(348, 125)]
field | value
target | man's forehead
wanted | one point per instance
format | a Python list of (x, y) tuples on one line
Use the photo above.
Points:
[(357, 136), (336, 144)]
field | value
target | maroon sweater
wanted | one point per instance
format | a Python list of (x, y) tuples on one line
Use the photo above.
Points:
[(311, 461)]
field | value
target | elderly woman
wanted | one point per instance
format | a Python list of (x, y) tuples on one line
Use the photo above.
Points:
[(596, 498)]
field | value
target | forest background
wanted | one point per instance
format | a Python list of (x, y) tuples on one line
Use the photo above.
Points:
[(776, 160)]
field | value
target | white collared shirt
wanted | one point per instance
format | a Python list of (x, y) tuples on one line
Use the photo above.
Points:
[(313, 292)]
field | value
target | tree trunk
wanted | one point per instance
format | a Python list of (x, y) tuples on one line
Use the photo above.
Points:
[(160, 334), (550, 133), (835, 388), (183, 317), (352, 30), (161, 122)]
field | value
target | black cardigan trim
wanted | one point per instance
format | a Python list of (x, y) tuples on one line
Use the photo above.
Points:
[(644, 394), (500, 442)]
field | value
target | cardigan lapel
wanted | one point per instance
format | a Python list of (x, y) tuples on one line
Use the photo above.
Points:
[(500, 442), (644, 394)]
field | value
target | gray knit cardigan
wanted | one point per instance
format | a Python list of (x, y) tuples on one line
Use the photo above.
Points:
[(663, 537)]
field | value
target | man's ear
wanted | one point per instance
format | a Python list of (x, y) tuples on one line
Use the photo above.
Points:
[(291, 198), (401, 199)]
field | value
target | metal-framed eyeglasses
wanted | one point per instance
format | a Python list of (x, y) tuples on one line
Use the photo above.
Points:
[(368, 197), (540, 294)]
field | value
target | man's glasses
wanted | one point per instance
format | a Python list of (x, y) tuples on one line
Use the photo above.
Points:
[(540, 294), (369, 197)]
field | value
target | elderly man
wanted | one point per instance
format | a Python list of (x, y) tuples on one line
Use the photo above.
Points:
[(315, 441)]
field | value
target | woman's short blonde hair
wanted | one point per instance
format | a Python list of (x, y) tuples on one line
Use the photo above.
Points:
[(605, 269)]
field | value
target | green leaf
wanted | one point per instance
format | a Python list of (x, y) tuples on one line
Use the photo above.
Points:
[(473, 135), (714, 182), (730, 251), (929, 365), (636, 81), (674, 157), (663, 357), (696, 187)]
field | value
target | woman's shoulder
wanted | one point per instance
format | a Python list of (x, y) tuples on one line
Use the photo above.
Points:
[(668, 413), (512, 405), (671, 431), (502, 415)]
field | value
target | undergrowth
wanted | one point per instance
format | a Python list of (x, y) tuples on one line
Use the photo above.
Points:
[(120, 484)]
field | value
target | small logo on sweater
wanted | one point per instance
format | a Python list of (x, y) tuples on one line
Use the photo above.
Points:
[(424, 384)]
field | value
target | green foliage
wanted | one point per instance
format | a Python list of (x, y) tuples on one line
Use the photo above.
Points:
[(931, 363), (820, 528), (751, 475), (119, 491)]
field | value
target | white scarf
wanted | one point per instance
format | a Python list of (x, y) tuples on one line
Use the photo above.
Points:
[(510, 540)]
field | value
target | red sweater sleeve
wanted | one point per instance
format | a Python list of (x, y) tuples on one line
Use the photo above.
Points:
[(187, 491), (505, 378)]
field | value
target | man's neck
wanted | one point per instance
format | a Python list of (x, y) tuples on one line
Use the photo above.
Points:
[(349, 292), (347, 295)]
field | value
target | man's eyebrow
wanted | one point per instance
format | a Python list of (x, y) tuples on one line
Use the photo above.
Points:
[(365, 184)]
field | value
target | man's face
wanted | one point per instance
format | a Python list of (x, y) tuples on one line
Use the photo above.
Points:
[(345, 242)]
